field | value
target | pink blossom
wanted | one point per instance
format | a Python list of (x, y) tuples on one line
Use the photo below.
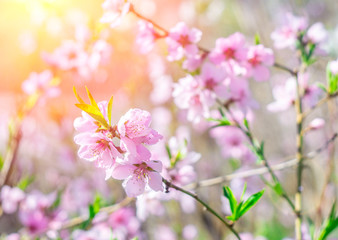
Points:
[(188, 95), (240, 94), (69, 56), (192, 62), (164, 233), (286, 36), (10, 198), (138, 175), (97, 147), (149, 204), (146, 36), (233, 142), (333, 66), (100, 54), (286, 94), (134, 129), (114, 10), (182, 41), (40, 83), (124, 220), (316, 34), (212, 79), (33, 212), (190, 232), (231, 51), (259, 59), (316, 123)]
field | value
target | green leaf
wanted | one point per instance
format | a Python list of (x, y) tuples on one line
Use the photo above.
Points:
[(227, 192), (92, 100), (25, 182), (322, 86), (257, 39), (77, 96), (332, 80), (57, 201), (246, 123), (168, 151), (250, 202), (278, 188), (109, 110), (94, 113), (330, 224), (244, 190)]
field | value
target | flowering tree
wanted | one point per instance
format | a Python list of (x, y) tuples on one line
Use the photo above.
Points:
[(206, 123)]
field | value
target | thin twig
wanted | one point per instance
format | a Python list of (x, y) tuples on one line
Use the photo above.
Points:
[(319, 103), (257, 171), (299, 154), (10, 158), (212, 211), (110, 209), (282, 67)]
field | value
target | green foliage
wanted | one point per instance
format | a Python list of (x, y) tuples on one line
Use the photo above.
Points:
[(330, 224), (257, 39), (332, 81), (25, 182), (221, 122), (239, 209), (1, 161), (93, 209)]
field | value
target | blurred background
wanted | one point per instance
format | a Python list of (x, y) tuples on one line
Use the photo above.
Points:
[(30, 29)]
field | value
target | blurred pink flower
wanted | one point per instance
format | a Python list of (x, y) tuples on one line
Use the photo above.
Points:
[(190, 232), (69, 56), (316, 123), (333, 66), (114, 10), (182, 41), (149, 204), (317, 33), (188, 95), (146, 36), (124, 220), (34, 214), (231, 51), (164, 233), (233, 143), (41, 83), (259, 59), (286, 36), (285, 95), (10, 198), (212, 79)]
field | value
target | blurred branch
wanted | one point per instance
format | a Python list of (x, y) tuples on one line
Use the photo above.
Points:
[(257, 171), (284, 68), (110, 209), (319, 103), (9, 161)]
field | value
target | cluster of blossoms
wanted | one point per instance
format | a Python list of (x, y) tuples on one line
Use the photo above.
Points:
[(120, 149), (81, 56), (296, 29), (35, 210), (122, 225), (222, 76)]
